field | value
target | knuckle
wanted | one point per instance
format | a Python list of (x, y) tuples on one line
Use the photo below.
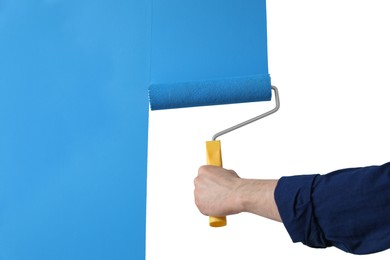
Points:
[(202, 169)]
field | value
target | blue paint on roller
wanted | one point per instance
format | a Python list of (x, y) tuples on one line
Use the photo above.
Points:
[(210, 92)]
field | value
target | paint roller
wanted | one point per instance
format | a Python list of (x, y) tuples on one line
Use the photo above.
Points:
[(214, 92)]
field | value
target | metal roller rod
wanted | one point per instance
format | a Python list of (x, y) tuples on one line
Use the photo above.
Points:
[(276, 108)]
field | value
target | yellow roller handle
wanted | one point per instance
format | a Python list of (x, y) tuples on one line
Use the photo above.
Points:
[(214, 157)]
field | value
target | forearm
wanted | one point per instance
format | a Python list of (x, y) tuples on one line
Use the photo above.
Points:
[(257, 197)]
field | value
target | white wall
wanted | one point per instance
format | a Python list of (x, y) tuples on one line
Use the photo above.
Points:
[(331, 62)]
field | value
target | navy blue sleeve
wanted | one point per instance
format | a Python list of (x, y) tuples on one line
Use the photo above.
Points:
[(348, 209)]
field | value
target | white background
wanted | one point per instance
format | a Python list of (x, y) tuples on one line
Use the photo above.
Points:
[(331, 62)]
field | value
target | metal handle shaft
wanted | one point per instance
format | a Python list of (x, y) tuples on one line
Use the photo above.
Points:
[(276, 108)]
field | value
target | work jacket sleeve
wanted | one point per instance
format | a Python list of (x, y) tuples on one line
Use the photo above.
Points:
[(348, 209)]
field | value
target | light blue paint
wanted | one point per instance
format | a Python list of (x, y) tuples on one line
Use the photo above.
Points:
[(74, 112), (73, 129), (208, 52)]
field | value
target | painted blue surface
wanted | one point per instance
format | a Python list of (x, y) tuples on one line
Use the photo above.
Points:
[(73, 129), (208, 41)]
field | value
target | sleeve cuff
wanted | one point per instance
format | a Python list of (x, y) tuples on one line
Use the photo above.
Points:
[(293, 199)]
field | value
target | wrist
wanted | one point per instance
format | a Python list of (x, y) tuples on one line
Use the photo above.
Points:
[(247, 193), (257, 197)]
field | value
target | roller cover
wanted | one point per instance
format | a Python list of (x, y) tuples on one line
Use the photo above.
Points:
[(210, 92)]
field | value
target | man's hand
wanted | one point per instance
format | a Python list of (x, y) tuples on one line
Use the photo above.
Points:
[(221, 192), (216, 191)]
